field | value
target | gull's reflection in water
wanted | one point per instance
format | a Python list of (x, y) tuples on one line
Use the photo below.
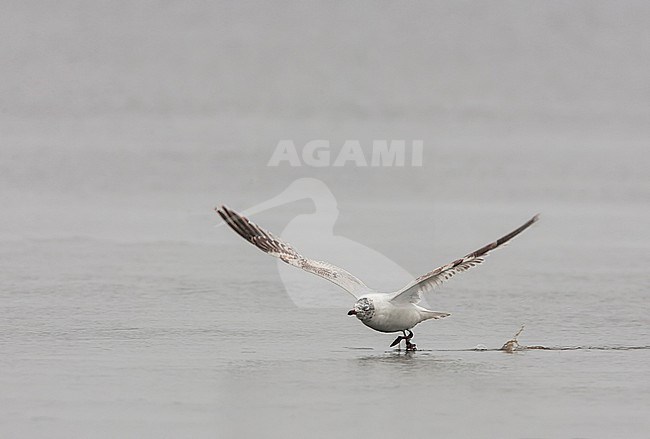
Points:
[(416, 363)]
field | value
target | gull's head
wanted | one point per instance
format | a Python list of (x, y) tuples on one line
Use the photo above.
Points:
[(364, 309)]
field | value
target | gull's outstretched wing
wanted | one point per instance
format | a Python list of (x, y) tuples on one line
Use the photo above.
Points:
[(272, 245), (413, 291)]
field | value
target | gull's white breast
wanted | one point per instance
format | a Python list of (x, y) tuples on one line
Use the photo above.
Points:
[(389, 317)]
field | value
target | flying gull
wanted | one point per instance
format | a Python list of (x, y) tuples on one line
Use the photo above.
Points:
[(385, 312)]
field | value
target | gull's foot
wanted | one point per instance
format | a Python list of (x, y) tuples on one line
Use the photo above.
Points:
[(407, 338), (410, 346)]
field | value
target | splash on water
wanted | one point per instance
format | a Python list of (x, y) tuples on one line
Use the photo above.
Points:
[(513, 345)]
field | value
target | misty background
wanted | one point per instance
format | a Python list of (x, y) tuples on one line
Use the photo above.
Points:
[(147, 115), (125, 312)]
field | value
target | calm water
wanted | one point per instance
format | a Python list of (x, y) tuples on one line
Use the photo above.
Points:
[(165, 339), (125, 313)]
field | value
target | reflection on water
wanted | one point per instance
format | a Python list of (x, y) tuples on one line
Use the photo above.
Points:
[(416, 364)]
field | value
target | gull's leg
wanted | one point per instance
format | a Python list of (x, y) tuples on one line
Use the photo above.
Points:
[(409, 346), (399, 339)]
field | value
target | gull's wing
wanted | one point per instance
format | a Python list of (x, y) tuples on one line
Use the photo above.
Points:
[(413, 291), (272, 245)]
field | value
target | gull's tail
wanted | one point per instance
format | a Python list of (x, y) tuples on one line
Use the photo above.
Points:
[(428, 314)]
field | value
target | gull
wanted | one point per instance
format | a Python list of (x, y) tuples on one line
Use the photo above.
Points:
[(384, 312)]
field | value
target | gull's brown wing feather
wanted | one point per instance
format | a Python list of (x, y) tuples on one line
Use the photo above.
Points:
[(274, 246), (413, 291)]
